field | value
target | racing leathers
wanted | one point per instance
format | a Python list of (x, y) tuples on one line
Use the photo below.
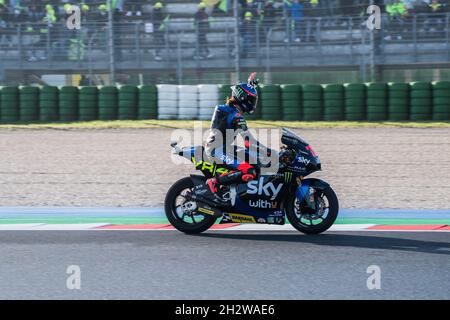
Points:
[(226, 124)]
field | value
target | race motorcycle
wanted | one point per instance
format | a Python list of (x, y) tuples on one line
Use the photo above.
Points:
[(310, 204)]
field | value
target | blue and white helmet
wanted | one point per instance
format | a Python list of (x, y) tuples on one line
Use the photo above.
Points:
[(246, 94)]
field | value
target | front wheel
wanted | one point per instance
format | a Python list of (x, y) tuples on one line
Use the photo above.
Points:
[(314, 214), (182, 212)]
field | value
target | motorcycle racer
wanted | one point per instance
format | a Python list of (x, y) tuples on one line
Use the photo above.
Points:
[(219, 146)]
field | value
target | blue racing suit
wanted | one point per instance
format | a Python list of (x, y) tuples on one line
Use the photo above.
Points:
[(228, 122)]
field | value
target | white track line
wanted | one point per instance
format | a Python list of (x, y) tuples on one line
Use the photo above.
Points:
[(50, 227), (19, 226), (288, 227), (74, 226)]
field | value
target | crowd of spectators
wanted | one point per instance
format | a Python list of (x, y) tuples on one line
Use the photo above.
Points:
[(256, 17)]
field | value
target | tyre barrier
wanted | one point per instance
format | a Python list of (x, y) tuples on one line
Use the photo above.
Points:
[(128, 102), (88, 105), (68, 103), (420, 101), (224, 91), (398, 101), (376, 102), (9, 104), (167, 101), (28, 104), (107, 103), (270, 96), (291, 102), (187, 102), (147, 102), (208, 99), (416, 101), (312, 102), (441, 100), (333, 102), (48, 102), (355, 101)]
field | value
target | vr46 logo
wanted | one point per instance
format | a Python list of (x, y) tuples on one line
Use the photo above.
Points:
[(260, 188), (207, 166)]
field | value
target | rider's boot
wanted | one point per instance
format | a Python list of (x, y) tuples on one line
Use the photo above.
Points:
[(217, 186)]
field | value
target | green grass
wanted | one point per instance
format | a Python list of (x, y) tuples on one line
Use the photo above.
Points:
[(188, 124)]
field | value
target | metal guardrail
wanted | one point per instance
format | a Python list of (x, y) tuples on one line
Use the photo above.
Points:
[(182, 45)]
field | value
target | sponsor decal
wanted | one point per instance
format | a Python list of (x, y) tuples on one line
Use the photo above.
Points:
[(279, 213), (206, 211), (263, 204), (276, 220), (260, 188), (287, 177), (241, 218), (303, 160), (226, 159), (207, 166), (226, 218), (297, 168), (242, 124), (261, 220)]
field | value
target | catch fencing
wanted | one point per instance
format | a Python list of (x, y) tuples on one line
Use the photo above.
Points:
[(184, 53)]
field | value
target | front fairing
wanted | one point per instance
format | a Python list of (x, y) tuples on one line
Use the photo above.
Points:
[(306, 161), (304, 164)]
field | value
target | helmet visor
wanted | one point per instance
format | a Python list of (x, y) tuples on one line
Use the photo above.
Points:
[(253, 102)]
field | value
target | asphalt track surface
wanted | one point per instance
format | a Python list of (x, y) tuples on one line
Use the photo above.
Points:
[(223, 265)]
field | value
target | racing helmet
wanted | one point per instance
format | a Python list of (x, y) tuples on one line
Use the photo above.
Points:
[(246, 95)]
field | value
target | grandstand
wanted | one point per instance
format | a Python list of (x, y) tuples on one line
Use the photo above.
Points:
[(332, 36)]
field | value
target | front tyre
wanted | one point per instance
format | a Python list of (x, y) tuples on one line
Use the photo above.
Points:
[(181, 211), (314, 214)]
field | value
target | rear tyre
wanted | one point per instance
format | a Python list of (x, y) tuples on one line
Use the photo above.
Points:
[(187, 222), (311, 221)]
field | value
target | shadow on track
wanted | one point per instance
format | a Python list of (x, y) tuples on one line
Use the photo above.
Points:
[(367, 241)]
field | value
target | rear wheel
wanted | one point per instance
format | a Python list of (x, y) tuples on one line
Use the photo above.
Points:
[(182, 212), (314, 214)]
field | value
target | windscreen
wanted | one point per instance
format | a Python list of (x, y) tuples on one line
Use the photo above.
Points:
[(292, 139)]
